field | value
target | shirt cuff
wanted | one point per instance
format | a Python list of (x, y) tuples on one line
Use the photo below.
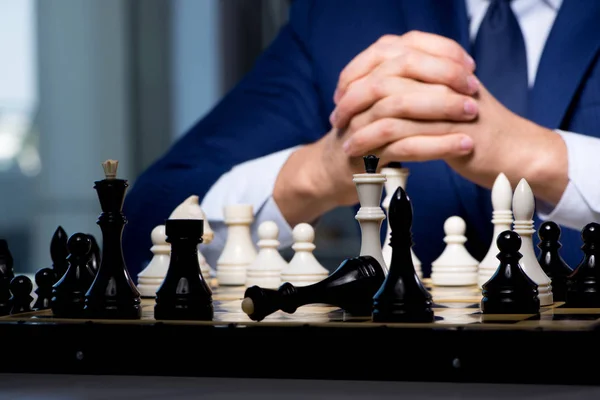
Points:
[(580, 202), (571, 211), (251, 182)]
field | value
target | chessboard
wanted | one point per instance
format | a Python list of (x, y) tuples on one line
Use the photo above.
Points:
[(315, 342), (454, 307)]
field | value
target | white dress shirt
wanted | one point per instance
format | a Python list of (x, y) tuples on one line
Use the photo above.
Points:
[(252, 182)]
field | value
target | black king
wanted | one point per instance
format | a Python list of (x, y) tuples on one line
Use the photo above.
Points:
[(113, 294)]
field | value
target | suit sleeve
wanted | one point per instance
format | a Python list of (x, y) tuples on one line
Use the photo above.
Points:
[(275, 107)]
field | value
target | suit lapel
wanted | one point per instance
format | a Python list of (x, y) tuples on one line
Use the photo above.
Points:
[(570, 49), (447, 18)]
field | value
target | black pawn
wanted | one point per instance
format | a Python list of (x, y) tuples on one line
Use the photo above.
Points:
[(510, 290), (583, 285), (550, 260), (402, 297), (44, 280), (59, 252), (113, 295), (20, 301), (350, 287), (6, 275), (68, 295), (184, 295), (95, 254)]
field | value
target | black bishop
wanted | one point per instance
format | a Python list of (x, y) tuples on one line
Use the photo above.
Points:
[(402, 297)]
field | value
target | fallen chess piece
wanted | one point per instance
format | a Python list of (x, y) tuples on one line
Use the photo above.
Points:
[(350, 287)]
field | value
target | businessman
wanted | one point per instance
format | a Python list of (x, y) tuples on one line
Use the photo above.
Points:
[(458, 90)]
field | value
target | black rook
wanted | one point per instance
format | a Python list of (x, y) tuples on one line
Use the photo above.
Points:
[(184, 294)]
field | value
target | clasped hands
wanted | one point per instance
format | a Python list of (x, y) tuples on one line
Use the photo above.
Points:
[(416, 97)]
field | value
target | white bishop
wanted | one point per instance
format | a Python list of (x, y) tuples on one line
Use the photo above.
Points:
[(502, 218), (523, 209)]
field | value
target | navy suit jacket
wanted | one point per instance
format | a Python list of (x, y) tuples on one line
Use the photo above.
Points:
[(287, 98)]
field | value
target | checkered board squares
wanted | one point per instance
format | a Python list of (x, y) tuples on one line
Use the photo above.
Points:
[(454, 307)]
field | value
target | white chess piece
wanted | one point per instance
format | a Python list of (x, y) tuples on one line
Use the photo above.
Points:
[(239, 251), (396, 177), (370, 216), (190, 209), (455, 266), (150, 279), (523, 209), (304, 268), (266, 269), (502, 219)]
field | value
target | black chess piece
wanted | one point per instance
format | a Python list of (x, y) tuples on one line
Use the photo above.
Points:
[(550, 260), (113, 294), (510, 290), (95, 255), (350, 287), (184, 294), (44, 279), (68, 294), (402, 296), (59, 252), (371, 161), (6, 275), (583, 285), (20, 301)]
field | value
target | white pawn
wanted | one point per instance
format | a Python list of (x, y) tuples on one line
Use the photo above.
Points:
[(523, 209), (266, 269), (239, 251), (395, 177), (455, 266), (150, 279), (502, 218), (303, 269)]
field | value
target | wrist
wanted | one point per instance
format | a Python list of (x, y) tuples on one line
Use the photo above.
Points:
[(547, 168), (300, 192)]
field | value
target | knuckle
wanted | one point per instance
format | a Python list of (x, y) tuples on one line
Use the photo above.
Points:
[(413, 36), (353, 126), (386, 128), (453, 74), (343, 78), (398, 106), (453, 107), (406, 149), (378, 86), (454, 50), (387, 40), (403, 62)]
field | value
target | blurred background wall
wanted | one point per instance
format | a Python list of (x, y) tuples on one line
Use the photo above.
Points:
[(86, 80)]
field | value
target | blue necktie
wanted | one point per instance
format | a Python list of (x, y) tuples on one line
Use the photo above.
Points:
[(501, 58)]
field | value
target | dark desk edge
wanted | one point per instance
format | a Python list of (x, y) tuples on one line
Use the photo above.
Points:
[(532, 356)]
